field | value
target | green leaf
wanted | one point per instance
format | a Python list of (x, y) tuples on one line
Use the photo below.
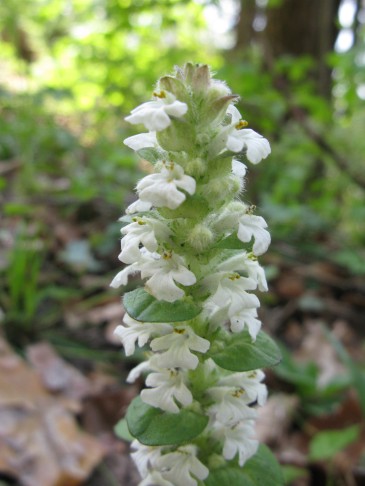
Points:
[(152, 426), (291, 473), (239, 353), (261, 470), (357, 374), (326, 444), (121, 430), (143, 307)]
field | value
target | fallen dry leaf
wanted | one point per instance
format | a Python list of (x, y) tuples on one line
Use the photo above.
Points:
[(40, 441), (56, 374), (316, 347), (275, 418)]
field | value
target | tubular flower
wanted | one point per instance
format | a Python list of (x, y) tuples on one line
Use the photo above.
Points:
[(164, 270), (195, 247), (182, 466), (155, 115), (167, 386), (162, 189), (144, 231)]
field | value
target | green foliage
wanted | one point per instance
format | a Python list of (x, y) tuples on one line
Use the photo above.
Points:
[(326, 444), (356, 371), (291, 473), (95, 61), (22, 277), (303, 191), (152, 426), (260, 470), (315, 399), (239, 353), (143, 307)]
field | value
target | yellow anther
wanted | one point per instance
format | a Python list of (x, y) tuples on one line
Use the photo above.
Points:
[(251, 209), (241, 124), (138, 220), (160, 94), (169, 165), (167, 255), (238, 393), (234, 276), (179, 331)]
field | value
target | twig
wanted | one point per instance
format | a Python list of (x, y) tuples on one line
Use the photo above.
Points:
[(323, 144), (8, 166)]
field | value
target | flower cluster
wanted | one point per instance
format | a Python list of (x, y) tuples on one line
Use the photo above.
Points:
[(195, 246)]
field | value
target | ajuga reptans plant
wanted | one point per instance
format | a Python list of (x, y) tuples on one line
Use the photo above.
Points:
[(196, 247)]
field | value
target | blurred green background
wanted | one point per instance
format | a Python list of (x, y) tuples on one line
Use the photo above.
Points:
[(71, 70)]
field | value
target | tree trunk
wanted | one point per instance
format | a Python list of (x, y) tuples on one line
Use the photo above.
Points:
[(297, 28)]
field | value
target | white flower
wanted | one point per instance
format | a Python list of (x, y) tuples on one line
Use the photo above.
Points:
[(155, 478), (136, 372), (238, 439), (254, 226), (182, 466), (231, 292), (231, 404), (177, 346), (257, 147), (248, 263), (141, 141), (166, 387), (138, 206), (228, 293), (138, 331), (236, 138), (143, 231), (164, 271), (162, 189), (239, 168), (250, 381), (144, 456), (254, 271), (121, 278), (246, 318), (155, 115)]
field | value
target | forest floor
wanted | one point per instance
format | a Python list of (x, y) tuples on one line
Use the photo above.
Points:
[(62, 372)]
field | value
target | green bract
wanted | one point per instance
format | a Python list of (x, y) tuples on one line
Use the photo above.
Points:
[(240, 353), (261, 470), (143, 307), (154, 427)]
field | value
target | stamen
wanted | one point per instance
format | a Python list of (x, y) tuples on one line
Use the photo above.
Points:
[(179, 331), (238, 393), (241, 124), (160, 94)]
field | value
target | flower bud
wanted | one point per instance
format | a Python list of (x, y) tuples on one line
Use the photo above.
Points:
[(200, 237), (218, 188), (198, 76), (195, 167)]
